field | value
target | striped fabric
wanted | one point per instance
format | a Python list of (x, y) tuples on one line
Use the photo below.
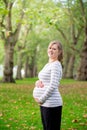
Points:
[(50, 75)]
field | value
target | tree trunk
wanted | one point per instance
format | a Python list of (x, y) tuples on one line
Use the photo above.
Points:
[(10, 39), (71, 66), (31, 68), (66, 64), (8, 63), (33, 71), (82, 71), (19, 66), (27, 68), (32, 65)]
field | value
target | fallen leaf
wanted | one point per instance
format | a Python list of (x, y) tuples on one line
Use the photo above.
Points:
[(82, 124), (74, 121), (33, 113), (72, 128), (32, 128), (1, 114), (85, 115), (8, 125)]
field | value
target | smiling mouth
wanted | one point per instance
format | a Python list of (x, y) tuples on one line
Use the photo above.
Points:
[(51, 53)]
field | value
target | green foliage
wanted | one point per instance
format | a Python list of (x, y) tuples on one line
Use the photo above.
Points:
[(18, 109), (2, 9)]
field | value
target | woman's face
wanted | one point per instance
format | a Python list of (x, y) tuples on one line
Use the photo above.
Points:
[(53, 51)]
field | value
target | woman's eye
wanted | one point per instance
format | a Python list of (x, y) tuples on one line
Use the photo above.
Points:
[(51, 48)]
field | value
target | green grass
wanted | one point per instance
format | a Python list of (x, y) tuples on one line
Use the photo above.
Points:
[(27, 81), (18, 110)]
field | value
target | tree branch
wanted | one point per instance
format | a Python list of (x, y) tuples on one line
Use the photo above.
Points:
[(8, 18), (3, 35), (16, 32), (83, 12), (6, 3), (79, 33), (62, 33), (1, 22), (82, 7), (74, 49)]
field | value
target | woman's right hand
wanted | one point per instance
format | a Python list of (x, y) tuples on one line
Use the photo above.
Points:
[(39, 84)]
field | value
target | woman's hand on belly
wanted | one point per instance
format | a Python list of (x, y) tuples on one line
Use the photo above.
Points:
[(37, 100), (39, 83)]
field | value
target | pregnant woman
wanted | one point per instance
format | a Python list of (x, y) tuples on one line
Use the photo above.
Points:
[(46, 92)]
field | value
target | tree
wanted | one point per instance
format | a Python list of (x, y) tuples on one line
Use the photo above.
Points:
[(67, 21), (82, 71), (10, 38), (76, 31)]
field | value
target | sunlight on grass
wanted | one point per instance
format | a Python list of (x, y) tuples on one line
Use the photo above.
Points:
[(18, 110)]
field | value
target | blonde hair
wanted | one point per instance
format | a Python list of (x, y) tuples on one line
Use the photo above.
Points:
[(60, 49)]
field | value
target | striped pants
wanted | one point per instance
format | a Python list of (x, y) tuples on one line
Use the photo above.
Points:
[(51, 117)]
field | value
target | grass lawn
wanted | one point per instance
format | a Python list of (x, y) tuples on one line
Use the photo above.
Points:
[(18, 110)]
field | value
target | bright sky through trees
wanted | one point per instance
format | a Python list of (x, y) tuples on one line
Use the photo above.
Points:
[(63, 1)]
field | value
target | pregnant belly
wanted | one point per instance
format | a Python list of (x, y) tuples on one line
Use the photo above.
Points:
[(37, 92)]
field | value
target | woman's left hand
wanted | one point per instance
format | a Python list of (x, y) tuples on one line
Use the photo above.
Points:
[(37, 100)]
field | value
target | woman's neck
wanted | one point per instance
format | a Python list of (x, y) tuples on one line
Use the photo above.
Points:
[(52, 60)]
